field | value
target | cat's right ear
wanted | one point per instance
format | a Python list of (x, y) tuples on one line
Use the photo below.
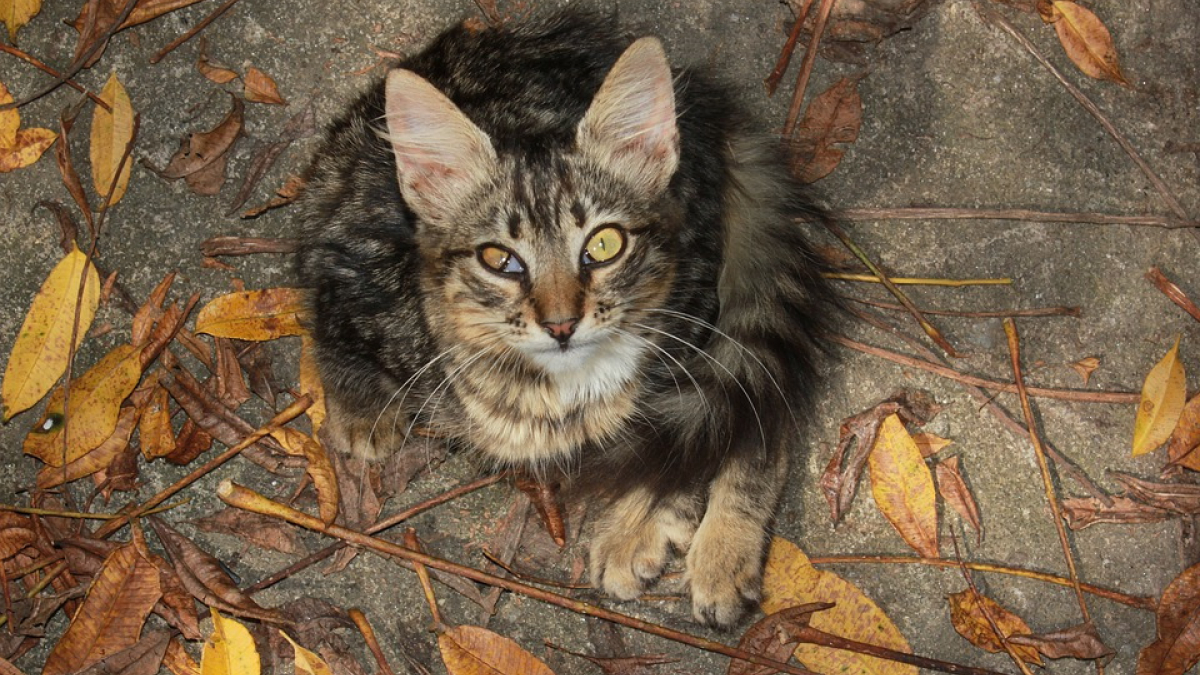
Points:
[(441, 156)]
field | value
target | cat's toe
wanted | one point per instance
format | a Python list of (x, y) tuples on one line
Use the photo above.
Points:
[(725, 577), (625, 561)]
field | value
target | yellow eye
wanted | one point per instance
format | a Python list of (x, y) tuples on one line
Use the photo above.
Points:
[(500, 260), (603, 246)]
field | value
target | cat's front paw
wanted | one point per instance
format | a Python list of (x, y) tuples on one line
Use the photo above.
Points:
[(724, 569), (633, 542)]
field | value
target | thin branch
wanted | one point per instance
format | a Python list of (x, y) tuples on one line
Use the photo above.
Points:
[(54, 73), (806, 66), (785, 56), (931, 213), (910, 281), (1173, 292), (192, 33), (991, 314)]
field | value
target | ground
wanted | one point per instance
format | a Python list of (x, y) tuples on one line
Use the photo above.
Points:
[(955, 113)]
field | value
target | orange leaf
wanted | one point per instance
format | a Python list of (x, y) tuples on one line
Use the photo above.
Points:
[(310, 382), (157, 436), (967, 614), (111, 616), (1178, 645), (260, 88), (16, 532), (27, 149), (112, 132), (903, 487), (320, 469), (1085, 367), (953, 488), (1163, 396), (98, 459), (253, 315), (1086, 41), (471, 650), (178, 661), (1184, 447), (789, 580)]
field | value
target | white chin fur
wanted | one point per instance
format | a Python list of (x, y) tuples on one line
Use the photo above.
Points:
[(592, 369)]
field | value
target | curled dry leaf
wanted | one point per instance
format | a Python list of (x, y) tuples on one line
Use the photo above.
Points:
[(833, 117), (260, 88), (1183, 448), (178, 661), (471, 650), (39, 356), (1085, 39), (97, 17), (307, 663), (1181, 498), (969, 613), (1081, 512), (1163, 396), (953, 488), (218, 74), (200, 159), (319, 469), (255, 529), (16, 532), (17, 13), (903, 487), (19, 147), (310, 382), (253, 315), (1085, 367), (790, 580), (150, 311), (143, 658), (112, 132), (1177, 647), (111, 617), (771, 636), (1077, 642), (229, 649), (283, 196), (544, 498), (157, 438)]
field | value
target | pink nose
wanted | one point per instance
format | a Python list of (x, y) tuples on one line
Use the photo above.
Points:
[(561, 330)]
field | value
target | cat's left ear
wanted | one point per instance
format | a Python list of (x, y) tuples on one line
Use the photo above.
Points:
[(630, 126)]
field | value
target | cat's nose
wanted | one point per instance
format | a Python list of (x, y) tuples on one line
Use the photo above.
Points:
[(561, 330)]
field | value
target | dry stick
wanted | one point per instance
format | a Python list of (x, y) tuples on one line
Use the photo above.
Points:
[(80, 515), (1137, 602), (1014, 349), (1008, 649), (247, 245), (785, 56), (916, 281), (1173, 292), (192, 33), (817, 636), (920, 213), (806, 66), (991, 16), (368, 633), (244, 498), (286, 415), (54, 73), (378, 527), (993, 314), (1118, 397), (77, 64)]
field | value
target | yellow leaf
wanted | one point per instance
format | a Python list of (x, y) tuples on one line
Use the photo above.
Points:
[(1184, 448), (96, 399), (253, 315), (260, 88), (229, 649), (310, 382), (111, 617), (967, 614), (112, 132), (10, 120), (307, 663), (1087, 41), (1163, 397), (97, 459), (39, 356), (790, 580), (903, 486), (320, 469), (471, 650), (17, 13)]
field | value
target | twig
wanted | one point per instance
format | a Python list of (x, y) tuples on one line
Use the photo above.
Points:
[(54, 73), (243, 498), (192, 33), (1137, 602), (1118, 397), (816, 636), (368, 633), (1014, 349), (806, 66), (29, 510), (912, 281), (991, 314), (1173, 292), (785, 56), (987, 615), (247, 245), (541, 581), (921, 213)]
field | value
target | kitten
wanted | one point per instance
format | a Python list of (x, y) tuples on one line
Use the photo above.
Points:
[(540, 243)]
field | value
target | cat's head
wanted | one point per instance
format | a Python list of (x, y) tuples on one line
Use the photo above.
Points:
[(552, 255)]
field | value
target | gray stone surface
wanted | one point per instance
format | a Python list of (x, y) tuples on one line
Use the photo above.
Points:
[(955, 114)]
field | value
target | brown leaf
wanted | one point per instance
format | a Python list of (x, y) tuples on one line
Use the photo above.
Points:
[(190, 444), (833, 117), (16, 532), (95, 460), (1086, 40), (112, 614), (1185, 440), (301, 125), (1085, 367), (1181, 498), (471, 650), (953, 488), (1163, 397), (1177, 647), (177, 606), (319, 469), (1077, 642), (218, 74), (121, 473), (930, 444), (969, 613), (256, 529), (283, 196), (97, 16), (544, 498), (209, 179), (260, 88), (231, 385), (1081, 512), (903, 487), (310, 382), (178, 661), (771, 636), (622, 665), (156, 437), (201, 150), (150, 311), (260, 373), (266, 314), (143, 658)]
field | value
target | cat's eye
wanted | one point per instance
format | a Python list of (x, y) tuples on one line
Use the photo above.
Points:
[(603, 246), (500, 260)]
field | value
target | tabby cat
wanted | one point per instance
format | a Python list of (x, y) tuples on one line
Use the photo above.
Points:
[(541, 243)]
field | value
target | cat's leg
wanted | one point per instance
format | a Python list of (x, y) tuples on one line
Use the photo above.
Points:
[(634, 537), (364, 431), (725, 561)]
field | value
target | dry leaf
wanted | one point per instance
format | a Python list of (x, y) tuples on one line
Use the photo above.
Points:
[(177, 606), (1085, 367), (310, 382), (953, 488), (1080, 512), (1177, 647), (1162, 403), (255, 529), (17, 13), (471, 650), (16, 532), (218, 74), (771, 636), (833, 117), (1184, 446), (111, 616), (903, 487), (253, 315), (1177, 497), (1085, 39), (201, 158), (39, 356), (97, 459), (319, 469), (19, 147), (307, 663), (112, 132), (178, 661), (930, 444), (969, 614), (283, 196), (97, 16), (1077, 642), (789, 580), (157, 438), (260, 88), (229, 649), (143, 658)]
